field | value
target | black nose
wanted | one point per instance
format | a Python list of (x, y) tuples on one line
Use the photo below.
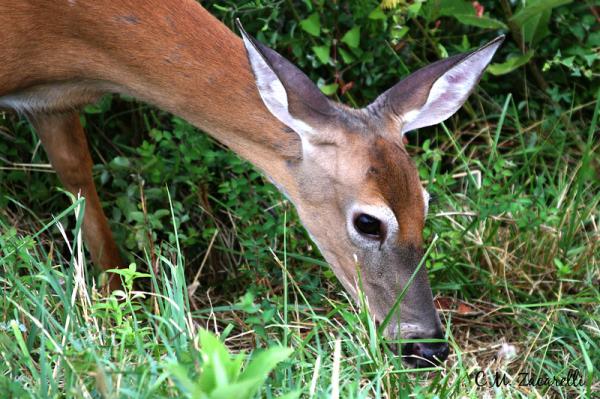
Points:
[(425, 354)]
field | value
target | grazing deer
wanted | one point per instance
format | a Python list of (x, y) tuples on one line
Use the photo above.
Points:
[(346, 170)]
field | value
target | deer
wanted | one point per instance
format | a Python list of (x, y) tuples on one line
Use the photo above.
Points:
[(345, 170)]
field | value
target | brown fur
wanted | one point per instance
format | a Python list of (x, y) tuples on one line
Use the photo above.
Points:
[(395, 178), (61, 54), (64, 140)]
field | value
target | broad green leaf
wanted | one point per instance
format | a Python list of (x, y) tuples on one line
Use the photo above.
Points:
[(12, 388), (414, 9), (220, 370), (329, 89), (593, 39), (398, 34), (533, 9), (180, 375), (102, 106), (207, 380), (312, 24), (452, 7), (352, 37), (210, 344), (234, 367), (322, 53), (346, 56), (136, 216), (162, 213), (591, 58), (465, 44), (120, 162), (480, 22), (245, 389), (568, 61), (442, 50), (261, 365), (212, 348), (377, 13), (510, 65), (537, 28), (291, 395)]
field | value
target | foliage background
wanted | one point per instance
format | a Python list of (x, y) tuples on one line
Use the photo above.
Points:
[(515, 261)]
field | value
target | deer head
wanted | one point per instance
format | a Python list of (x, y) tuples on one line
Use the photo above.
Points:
[(356, 189)]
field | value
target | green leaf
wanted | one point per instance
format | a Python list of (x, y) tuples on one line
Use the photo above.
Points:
[(480, 22), (322, 53), (398, 34), (510, 65), (377, 13), (261, 365), (180, 375), (238, 390), (162, 213), (568, 61), (12, 389), (102, 106), (414, 9), (211, 344), (593, 39), (352, 37), (136, 216), (216, 361), (220, 369), (534, 9), (291, 395), (442, 50), (561, 267), (330, 89), (452, 7), (312, 24), (346, 56), (536, 28), (120, 162)]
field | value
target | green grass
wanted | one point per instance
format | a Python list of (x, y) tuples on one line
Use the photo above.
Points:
[(513, 238)]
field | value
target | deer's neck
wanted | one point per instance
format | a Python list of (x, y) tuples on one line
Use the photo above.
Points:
[(176, 56)]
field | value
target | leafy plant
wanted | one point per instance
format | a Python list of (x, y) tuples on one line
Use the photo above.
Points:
[(224, 376)]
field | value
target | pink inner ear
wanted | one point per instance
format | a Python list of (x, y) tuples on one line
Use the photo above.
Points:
[(404, 139)]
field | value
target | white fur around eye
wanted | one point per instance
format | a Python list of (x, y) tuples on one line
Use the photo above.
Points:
[(381, 212)]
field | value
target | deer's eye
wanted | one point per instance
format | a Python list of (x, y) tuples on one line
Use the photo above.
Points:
[(368, 225)]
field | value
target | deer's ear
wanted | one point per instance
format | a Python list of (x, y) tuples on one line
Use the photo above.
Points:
[(286, 91), (434, 93)]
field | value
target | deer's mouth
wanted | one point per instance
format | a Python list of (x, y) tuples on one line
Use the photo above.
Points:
[(419, 354), (425, 354)]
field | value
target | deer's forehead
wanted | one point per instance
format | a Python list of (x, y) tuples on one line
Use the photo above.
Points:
[(395, 176), (397, 182)]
